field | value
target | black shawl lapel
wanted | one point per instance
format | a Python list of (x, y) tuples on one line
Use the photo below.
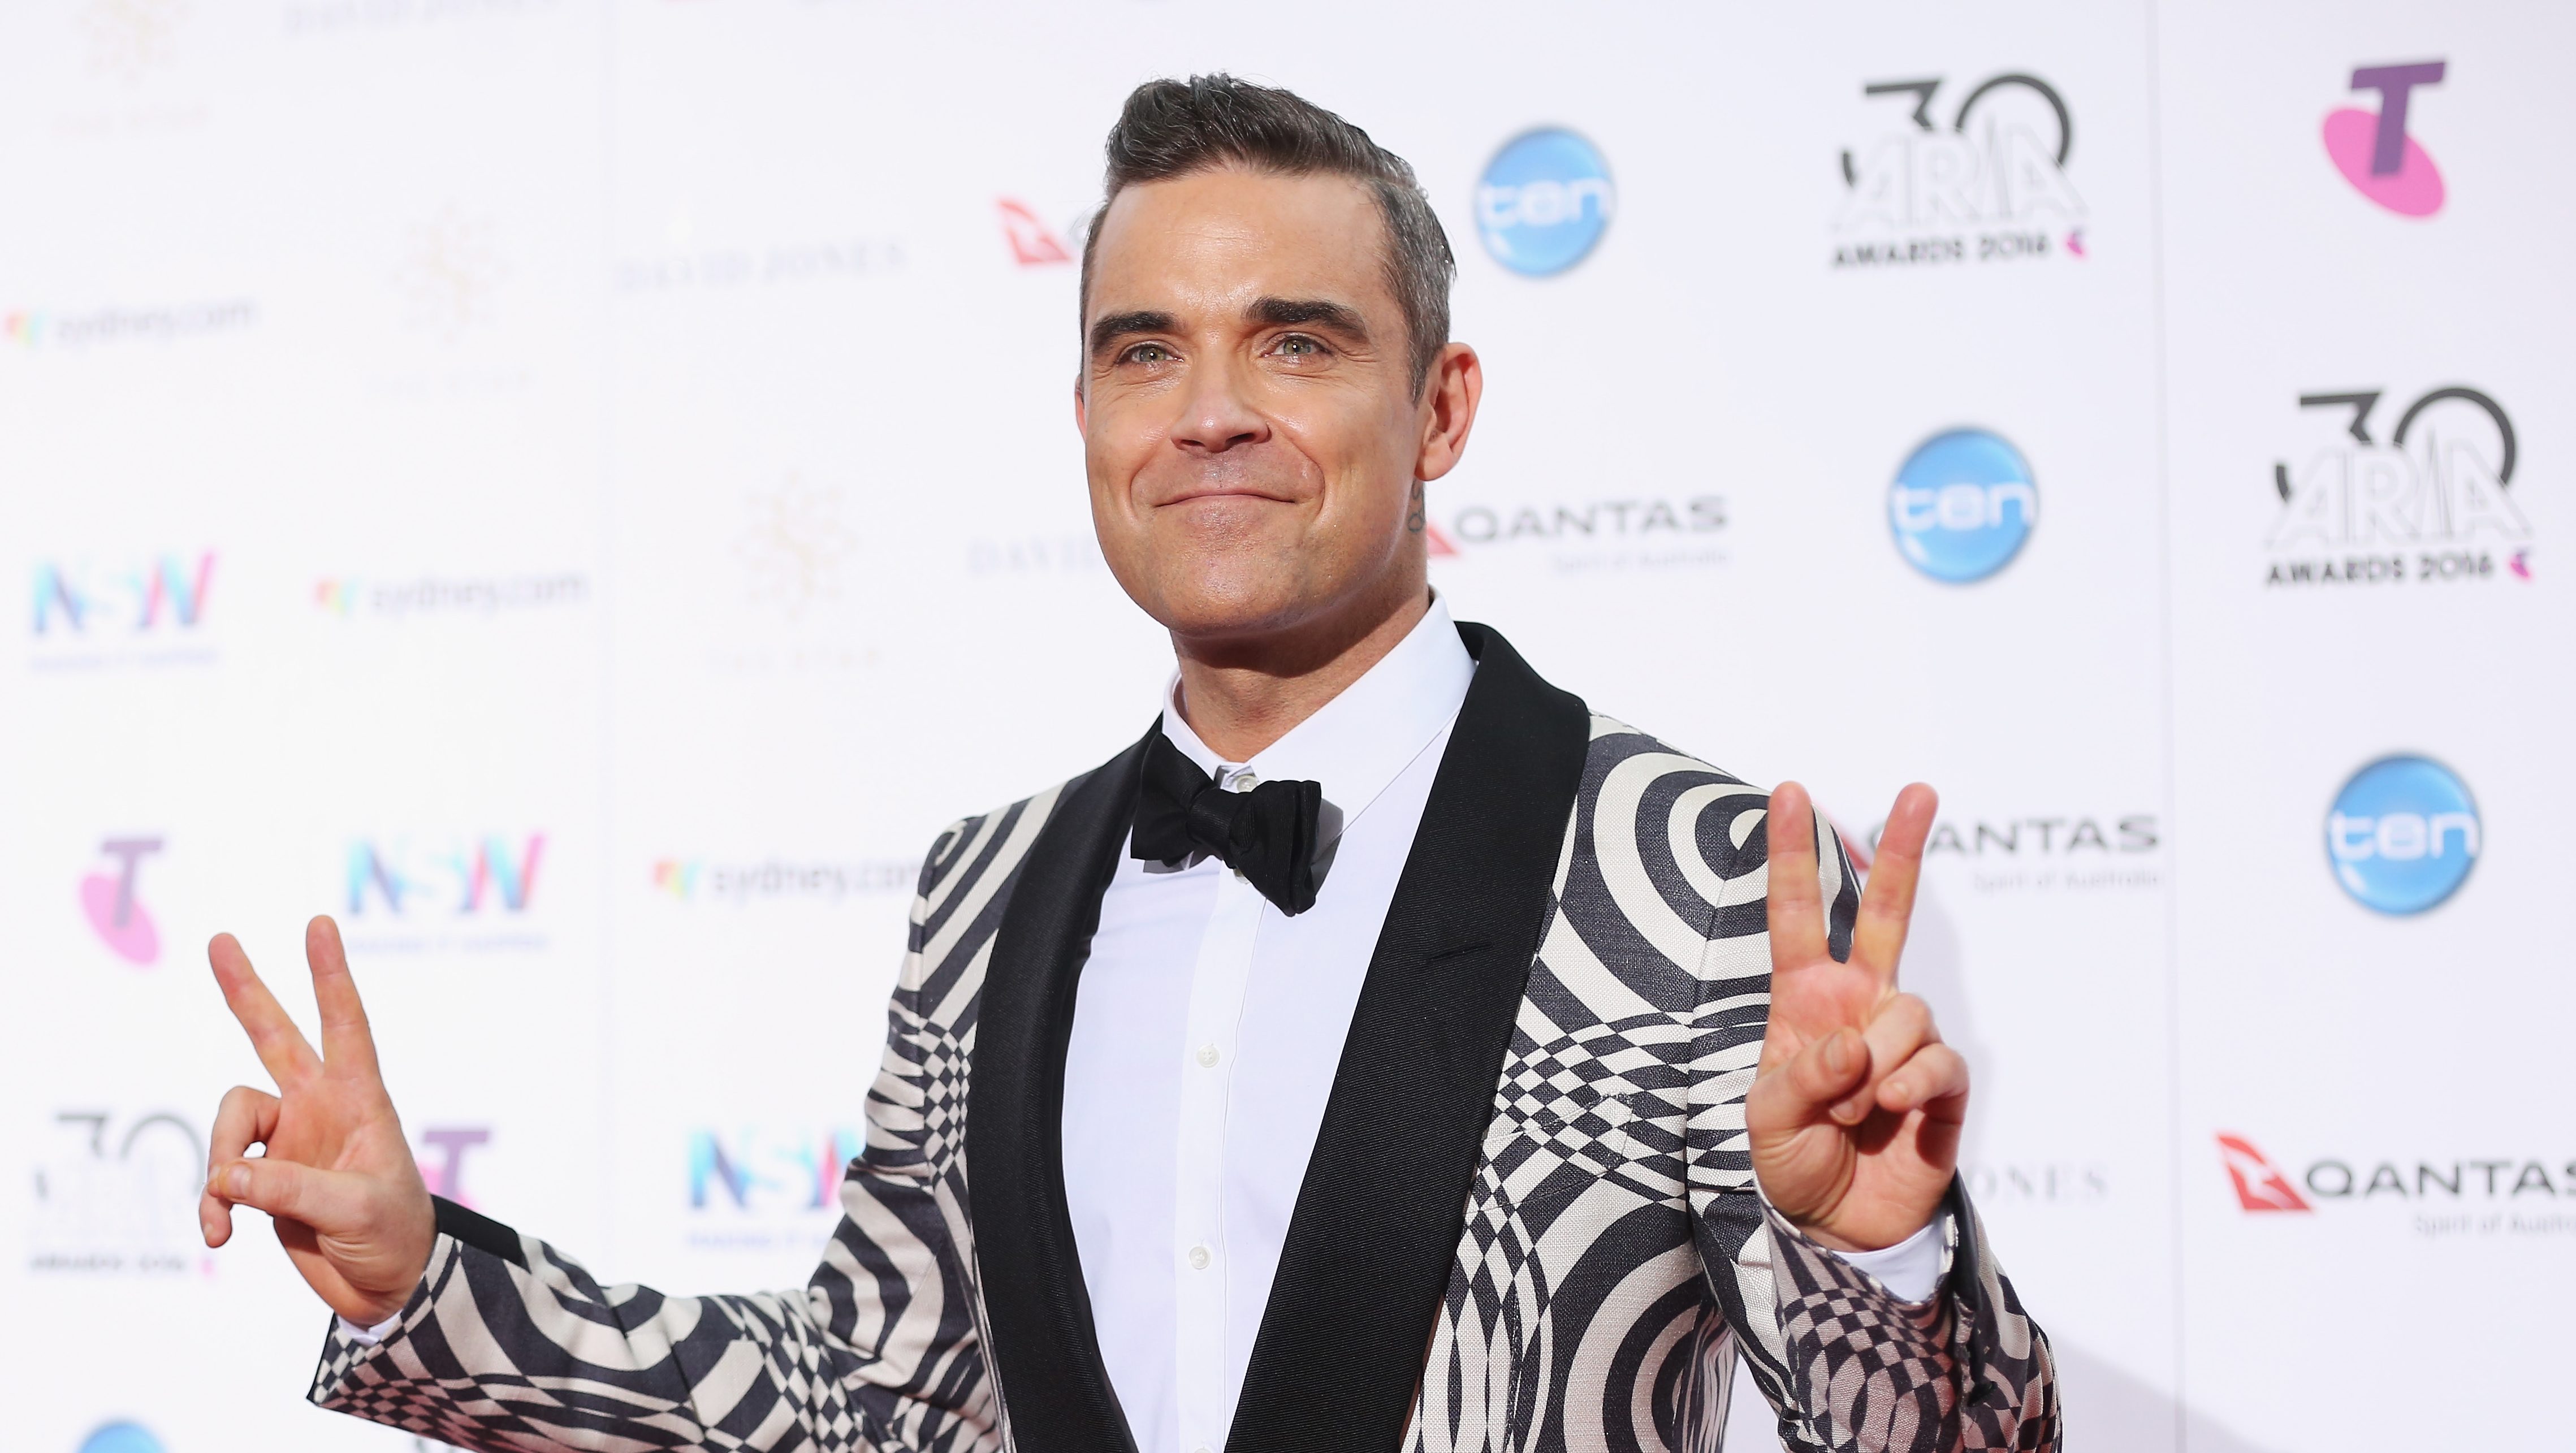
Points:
[(1044, 1350), (1370, 1246)]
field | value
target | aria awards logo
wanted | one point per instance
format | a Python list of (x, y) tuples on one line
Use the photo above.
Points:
[(1990, 185), (2430, 501), (2372, 148)]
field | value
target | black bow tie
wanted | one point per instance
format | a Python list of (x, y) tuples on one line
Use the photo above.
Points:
[(1266, 834)]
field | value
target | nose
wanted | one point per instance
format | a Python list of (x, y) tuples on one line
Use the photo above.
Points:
[(1215, 414)]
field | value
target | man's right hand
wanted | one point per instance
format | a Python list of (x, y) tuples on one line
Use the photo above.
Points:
[(337, 1177)]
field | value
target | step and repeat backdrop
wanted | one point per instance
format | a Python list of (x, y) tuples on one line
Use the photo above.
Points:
[(583, 491)]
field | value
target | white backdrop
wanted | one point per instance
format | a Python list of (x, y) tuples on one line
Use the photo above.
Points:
[(585, 490)]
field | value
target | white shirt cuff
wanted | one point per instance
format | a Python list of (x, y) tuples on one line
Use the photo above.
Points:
[(370, 1336), (1910, 1270)]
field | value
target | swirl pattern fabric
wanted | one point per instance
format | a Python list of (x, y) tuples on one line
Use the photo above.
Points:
[(1616, 1255)]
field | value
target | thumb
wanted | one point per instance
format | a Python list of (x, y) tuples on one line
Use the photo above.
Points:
[(1820, 1076), (331, 1202)]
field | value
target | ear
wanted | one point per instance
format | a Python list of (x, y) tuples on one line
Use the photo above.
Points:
[(1081, 407), (1449, 398)]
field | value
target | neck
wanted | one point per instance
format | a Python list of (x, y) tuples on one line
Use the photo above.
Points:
[(1241, 695)]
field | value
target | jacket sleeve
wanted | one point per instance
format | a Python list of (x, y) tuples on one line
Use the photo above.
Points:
[(1848, 1367), (509, 1345)]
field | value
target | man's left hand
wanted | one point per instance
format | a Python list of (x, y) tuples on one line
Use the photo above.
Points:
[(1855, 1110)]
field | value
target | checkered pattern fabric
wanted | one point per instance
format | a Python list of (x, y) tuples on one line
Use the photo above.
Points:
[(1616, 1252)]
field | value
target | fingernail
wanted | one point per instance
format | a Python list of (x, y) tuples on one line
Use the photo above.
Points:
[(237, 1181), (1838, 1052)]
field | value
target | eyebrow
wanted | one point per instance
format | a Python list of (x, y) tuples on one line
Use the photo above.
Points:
[(1271, 312), (1120, 325), (1290, 312)]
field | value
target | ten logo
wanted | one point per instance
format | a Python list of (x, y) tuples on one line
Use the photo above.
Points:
[(2402, 835), (1544, 202), (121, 1438), (2375, 154), (2001, 165), (2260, 1186), (1962, 505), (115, 914), (2450, 489)]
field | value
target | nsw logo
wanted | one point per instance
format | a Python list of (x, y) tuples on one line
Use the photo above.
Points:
[(2402, 834), (1544, 202), (2372, 149), (1962, 505)]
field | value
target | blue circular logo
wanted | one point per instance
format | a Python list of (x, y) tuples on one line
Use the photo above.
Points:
[(121, 1438), (2403, 834), (1545, 200), (1962, 505)]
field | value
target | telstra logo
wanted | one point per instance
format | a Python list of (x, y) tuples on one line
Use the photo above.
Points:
[(1544, 202), (108, 900), (2402, 834), (2373, 151), (442, 1158), (463, 876), (1962, 505)]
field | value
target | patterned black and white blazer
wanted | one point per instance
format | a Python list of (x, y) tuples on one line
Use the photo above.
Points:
[(1529, 1223)]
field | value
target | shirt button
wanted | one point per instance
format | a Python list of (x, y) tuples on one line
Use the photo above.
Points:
[(1207, 1056), (1198, 1258), (1245, 782)]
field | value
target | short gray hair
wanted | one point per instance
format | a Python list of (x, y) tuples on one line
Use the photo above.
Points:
[(1172, 128)]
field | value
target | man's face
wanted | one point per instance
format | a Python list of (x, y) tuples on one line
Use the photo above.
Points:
[(1247, 409)]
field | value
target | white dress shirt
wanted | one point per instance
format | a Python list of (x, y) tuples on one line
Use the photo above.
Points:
[(1206, 1032)]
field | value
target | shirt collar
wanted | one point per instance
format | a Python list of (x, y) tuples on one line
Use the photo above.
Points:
[(1359, 741)]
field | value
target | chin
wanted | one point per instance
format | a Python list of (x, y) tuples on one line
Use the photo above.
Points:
[(1224, 607)]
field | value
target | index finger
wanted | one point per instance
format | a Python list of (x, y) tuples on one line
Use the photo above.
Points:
[(280, 1044), (346, 1040), (1887, 904), (1795, 904)]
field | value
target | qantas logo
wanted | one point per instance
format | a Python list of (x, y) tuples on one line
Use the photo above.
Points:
[(1033, 242), (2260, 1186)]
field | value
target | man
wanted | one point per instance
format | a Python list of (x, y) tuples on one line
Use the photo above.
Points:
[(1385, 1051)]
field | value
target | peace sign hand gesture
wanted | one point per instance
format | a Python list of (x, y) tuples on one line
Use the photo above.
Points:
[(337, 1177), (1855, 1110)]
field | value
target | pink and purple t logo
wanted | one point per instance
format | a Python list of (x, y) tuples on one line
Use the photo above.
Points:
[(2375, 154), (115, 914)]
